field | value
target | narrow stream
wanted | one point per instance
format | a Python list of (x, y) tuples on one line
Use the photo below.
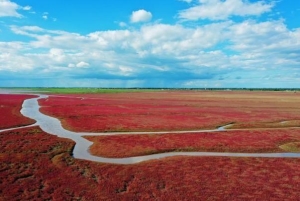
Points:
[(30, 108)]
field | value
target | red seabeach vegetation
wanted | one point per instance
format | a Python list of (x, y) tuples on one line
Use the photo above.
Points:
[(37, 166), (254, 141), (174, 110), (10, 106)]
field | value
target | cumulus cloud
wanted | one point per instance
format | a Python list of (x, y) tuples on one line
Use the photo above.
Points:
[(140, 16), (12, 60), (57, 54), (82, 64), (27, 8), (213, 51), (221, 10), (159, 54), (9, 9)]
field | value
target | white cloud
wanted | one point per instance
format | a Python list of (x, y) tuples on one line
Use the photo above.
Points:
[(140, 16), (27, 8), (57, 54), (221, 10), (45, 15), (125, 70), (221, 47), (122, 24), (9, 9), (12, 60), (82, 64), (218, 49)]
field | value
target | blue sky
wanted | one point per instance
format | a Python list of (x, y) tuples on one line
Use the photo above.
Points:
[(150, 43)]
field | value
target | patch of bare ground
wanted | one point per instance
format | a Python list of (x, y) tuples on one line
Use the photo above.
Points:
[(291, 147)]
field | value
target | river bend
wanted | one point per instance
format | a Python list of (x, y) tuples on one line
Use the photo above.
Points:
[(51, 125)]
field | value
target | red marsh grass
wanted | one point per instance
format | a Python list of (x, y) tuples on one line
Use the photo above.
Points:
[(174, 110), (256, 141), (10, 106), (37, 166)]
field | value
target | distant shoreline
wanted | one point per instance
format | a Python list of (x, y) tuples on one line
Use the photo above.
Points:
[(133, 89)]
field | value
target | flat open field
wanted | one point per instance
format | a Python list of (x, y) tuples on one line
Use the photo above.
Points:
[(35, 165), (255, 141), (179, 110)]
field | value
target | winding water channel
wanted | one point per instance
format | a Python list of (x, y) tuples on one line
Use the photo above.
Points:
[(51, 125)]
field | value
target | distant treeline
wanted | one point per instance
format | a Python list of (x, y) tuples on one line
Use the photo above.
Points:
[(215, 89)]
